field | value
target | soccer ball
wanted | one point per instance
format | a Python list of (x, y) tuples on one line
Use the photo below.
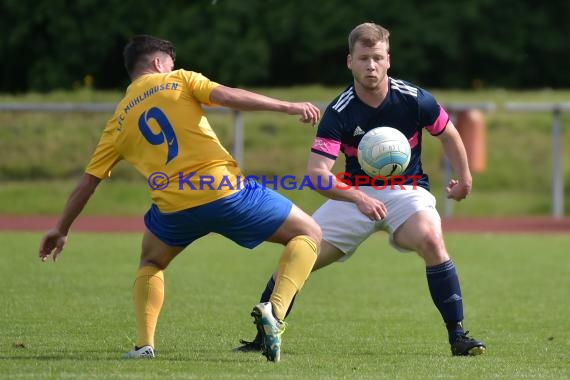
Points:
[(384, 151)]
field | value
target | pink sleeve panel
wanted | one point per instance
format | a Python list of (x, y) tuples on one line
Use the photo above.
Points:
[(326, 146), (439, 124)]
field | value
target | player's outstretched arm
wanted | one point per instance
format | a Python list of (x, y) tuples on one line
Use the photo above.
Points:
[(54, 240), (244, 100), (455, 151)]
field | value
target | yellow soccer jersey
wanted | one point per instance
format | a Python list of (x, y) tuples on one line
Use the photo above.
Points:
[(160, 128)]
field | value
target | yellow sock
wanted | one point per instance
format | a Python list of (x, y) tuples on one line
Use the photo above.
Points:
[(294, 267), (149, 296)]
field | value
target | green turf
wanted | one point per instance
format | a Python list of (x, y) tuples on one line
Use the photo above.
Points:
[(370, 317)]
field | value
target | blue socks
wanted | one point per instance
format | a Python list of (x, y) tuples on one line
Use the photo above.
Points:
[(268, 290), (445, 292)]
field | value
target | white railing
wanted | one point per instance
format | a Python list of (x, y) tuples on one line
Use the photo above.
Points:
[(557, 180), (110, 108)]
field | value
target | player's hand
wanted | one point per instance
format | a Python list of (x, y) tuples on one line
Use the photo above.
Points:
[(52, 244), (309, 112), (457, 190), (371, 207)]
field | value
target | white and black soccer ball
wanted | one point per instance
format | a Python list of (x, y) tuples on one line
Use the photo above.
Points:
[(384, 151)]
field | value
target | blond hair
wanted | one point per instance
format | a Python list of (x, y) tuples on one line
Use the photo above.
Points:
[(368, 34)]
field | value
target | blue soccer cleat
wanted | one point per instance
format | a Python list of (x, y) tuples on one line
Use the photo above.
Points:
[(271, 330)]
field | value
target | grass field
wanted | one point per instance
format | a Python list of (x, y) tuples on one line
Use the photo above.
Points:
[(368, 318)]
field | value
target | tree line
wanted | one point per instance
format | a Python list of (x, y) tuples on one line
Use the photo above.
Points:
[(59, 44)]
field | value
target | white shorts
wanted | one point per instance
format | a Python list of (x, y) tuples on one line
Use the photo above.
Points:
[(345, 227)]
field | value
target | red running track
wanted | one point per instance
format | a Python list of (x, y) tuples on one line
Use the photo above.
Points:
[(135, 224)]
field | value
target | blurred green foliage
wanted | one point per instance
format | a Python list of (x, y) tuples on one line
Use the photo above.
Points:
[(63, 44)]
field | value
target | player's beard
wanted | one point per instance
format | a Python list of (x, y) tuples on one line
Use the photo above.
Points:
[(370, 84)]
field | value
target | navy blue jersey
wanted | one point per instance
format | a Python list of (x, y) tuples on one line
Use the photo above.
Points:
[(406, 107)]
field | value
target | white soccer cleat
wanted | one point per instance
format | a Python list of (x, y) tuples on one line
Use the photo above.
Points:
[(271, 330), (145, 352)]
